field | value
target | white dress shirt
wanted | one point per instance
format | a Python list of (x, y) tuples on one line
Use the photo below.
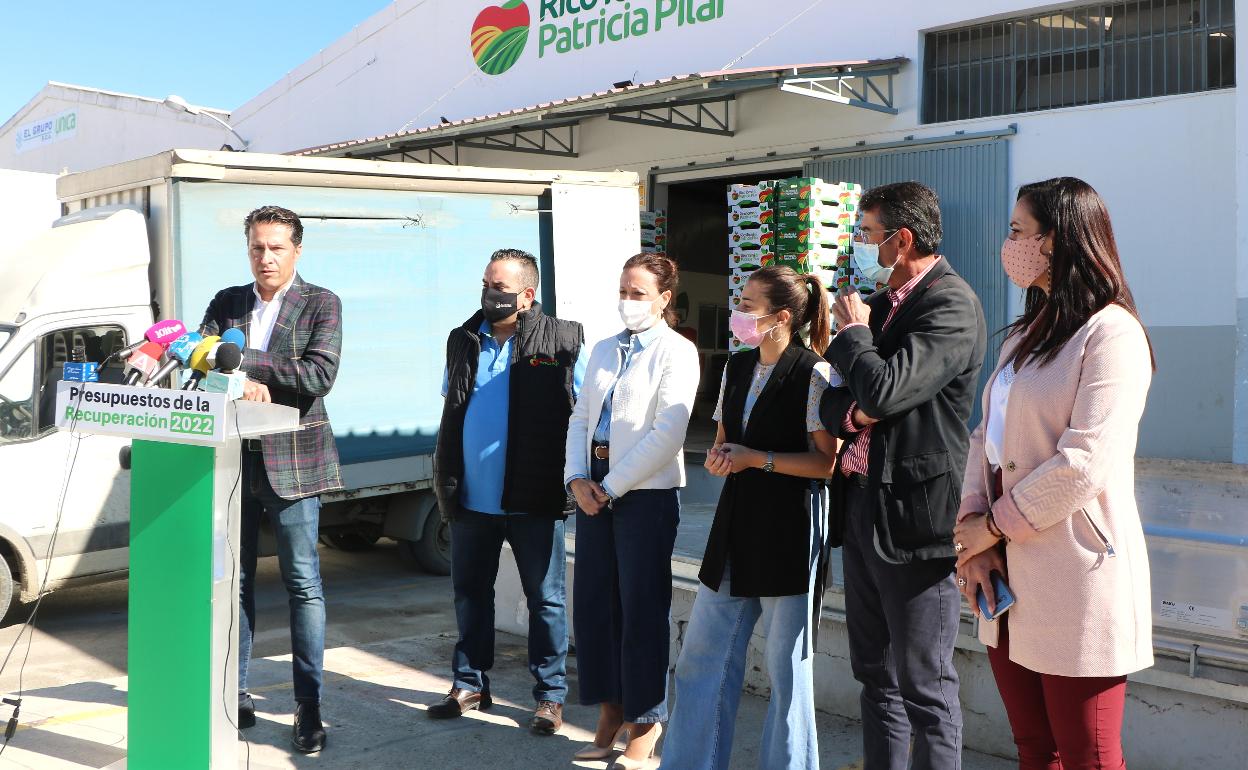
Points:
[(264, 316), (998, 403)]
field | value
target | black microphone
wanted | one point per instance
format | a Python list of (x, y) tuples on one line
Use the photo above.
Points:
[(226, 378)]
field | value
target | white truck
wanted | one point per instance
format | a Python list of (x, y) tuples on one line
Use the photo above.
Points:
[(404, 246)]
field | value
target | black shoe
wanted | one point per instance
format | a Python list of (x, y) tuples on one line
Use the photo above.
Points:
[(457, 702), (308, 736), (246, 711)]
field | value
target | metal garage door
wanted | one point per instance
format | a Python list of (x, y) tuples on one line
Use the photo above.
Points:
[(972, 180)]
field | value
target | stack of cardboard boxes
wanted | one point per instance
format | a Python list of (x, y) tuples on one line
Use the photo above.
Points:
[(803, 223), (654, 232)]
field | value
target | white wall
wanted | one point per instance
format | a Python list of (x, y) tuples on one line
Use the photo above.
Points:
[(411, 64), (1163, 165), (111, 128), (28, 204)]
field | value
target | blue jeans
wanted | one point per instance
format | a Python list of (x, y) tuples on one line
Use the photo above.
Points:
[(623, 602), (538, 547), (711, 671), (295, 524)]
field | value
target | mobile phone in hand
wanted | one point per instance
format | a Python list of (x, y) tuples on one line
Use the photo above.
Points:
[(1005, 597)]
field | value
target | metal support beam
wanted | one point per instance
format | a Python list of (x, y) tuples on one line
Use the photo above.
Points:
[(560, 141), (704, 116), (447, 155), (869, 89)]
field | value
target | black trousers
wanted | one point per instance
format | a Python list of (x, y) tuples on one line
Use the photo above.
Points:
[(622, 601)]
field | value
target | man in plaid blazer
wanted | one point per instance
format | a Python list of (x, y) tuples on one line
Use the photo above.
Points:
[(294, 338)]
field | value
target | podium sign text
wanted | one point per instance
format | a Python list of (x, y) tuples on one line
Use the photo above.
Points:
[(179, 416)]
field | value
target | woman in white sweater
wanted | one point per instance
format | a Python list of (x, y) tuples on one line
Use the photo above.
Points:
[(624, 464)]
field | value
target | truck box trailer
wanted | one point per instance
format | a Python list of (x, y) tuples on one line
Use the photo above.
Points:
[(403, 245)]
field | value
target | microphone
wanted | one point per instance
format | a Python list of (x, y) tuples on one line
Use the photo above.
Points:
[(236, 336), (179, 353), (78, 368), (225, 356), (226, 378), (162, 333), (198, 361), (143, 362)]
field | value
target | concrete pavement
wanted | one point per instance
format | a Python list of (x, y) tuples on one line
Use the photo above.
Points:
[(389, 639)]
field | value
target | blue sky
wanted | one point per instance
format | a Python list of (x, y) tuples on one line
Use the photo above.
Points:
[(217, 54)]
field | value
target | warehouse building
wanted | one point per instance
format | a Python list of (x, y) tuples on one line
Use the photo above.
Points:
[(974, 99)]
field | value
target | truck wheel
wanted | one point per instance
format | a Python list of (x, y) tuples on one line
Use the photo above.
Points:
[(7, 587), (433, 552), (349, 541)]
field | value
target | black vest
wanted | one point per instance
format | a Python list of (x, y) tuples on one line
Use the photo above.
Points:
[(762, 524), (543, 356)]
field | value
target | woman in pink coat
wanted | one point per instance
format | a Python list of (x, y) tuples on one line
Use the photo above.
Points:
[(1049, 494)]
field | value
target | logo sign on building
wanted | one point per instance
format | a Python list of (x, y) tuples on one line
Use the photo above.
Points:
[(183, 417), (500, 34), (63, 125)]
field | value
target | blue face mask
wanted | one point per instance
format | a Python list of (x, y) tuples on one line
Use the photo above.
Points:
[(867, 260)]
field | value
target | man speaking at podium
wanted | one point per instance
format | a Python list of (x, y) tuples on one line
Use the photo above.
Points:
[(294, 338)]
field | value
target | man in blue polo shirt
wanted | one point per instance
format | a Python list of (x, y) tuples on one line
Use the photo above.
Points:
[(512, 375)]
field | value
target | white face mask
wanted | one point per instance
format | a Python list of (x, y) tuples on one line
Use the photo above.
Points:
[(638, 314), (867, 260)]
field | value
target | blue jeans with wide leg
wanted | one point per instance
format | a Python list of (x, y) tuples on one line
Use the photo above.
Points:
[(295, 524), (711, 671)]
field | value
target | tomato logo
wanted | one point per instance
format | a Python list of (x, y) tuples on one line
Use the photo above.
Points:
[(499, 35)]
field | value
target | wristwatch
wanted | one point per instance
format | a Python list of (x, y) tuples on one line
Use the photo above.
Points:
[(770, 465)]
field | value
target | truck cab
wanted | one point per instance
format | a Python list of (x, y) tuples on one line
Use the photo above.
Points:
[(81, 283)]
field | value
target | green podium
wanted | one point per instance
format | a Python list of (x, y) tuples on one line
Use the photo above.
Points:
[(184, 561)]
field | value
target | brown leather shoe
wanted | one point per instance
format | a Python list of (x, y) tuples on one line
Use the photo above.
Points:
[(548, 718), (457, 702)]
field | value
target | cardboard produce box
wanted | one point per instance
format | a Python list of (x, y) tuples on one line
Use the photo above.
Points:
[(799, 214), (812, 190), (757, 238), (797, 241), (747, 258), (750, 217), (751, 194), (654, 220), (737, 279), (653, 238)]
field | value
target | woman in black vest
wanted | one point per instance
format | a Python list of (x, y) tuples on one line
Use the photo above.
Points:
[(769, 532)]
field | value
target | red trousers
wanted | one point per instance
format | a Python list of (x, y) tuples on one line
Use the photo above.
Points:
[(1060, 722)]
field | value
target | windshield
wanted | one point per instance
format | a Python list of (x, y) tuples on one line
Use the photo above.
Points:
[(6, 333)]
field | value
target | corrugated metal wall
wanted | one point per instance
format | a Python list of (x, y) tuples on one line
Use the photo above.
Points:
[(972, 180)]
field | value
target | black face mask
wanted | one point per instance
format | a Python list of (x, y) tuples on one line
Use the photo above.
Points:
[(497, 304)]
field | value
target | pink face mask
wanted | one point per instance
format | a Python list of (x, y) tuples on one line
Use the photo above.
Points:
[(1022, 260), (745, 326)]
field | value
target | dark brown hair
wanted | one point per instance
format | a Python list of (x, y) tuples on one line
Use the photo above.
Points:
[(666, 275), (803, 296), (278, 216), (1085, 273)]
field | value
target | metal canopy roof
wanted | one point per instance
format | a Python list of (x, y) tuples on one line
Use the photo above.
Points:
[(698, 102)]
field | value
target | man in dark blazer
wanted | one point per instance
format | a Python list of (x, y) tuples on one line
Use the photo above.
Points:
[(910, 356), (294, 339)]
